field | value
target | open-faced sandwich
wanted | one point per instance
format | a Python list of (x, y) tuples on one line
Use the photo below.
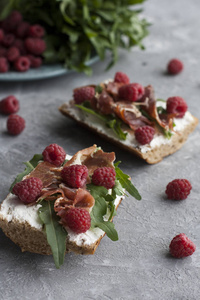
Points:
[(129, 115), (61, 203)]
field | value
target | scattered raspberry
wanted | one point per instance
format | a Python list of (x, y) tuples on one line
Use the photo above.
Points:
[(1, 35), (36, 31), (140, 89), (121, 77), (22, 64), (28, 190), (75, 176), (144, 134), (4, 65), (8, 40), (54, 154), (84, 93), (35, 46), (177, 105), (178, 189), (12, 21), (9, 105), (15, 124), (129, 92), (36, 61), (22, 30), (104, 176), (77, 219), (181, 246), (12, 54), (3, 51), (175, 66)]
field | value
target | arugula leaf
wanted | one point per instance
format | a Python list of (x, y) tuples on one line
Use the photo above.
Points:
[(56, 234), (109, 120), (30, 165), (125, 182), (78, 29)]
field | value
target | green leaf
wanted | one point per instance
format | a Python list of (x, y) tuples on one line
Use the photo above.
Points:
[(56, 234), (126, 183), (30, 165), (115, 124)]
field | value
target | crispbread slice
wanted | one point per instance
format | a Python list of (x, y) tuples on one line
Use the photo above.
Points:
[(152, 153)]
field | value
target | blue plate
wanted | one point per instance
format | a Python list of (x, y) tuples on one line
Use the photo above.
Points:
[(45, 71)]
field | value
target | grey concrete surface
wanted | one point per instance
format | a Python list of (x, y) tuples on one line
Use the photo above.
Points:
[(138, 266)]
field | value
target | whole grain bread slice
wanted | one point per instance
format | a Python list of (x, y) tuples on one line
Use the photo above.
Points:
[(151, 155)]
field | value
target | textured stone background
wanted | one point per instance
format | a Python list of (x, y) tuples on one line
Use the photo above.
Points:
[(138, 266)]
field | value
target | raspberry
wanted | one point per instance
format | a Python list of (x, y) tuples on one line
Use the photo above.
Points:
[(13, 20), (140, 89), (3, 51), (36, 31), (54, 154), (144, 134), (175, 66), (22, 64), (22, 30), (9, 105), (104, 176), (19, 44), (28, 190), (15, 124), (177, 105), (12, 54), (35, 61), (4, 65), (8, 40), (121, 77), (1, 35), (35, 46), (129, 92), (77, 219), (75, 176), (181, 246), (178, 189), (84, 93)]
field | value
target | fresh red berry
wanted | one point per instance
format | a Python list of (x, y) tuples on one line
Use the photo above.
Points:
[(75, 175), (175, 66), (19, 44), (15, 124), (121, 77), (35, 46), (22, 30), (22, 64), (9, 105), (181, 246), (36, 31), (13, 20), (4, 65), (12, 54), (104, 176), (3, 51), (28, 190), (83, 94), (54, 154), (140, 89), (8, 40), (129, 92), (1, 35), (144, 134), (77, 219), (176, 105), (36, 61), (178, 189)]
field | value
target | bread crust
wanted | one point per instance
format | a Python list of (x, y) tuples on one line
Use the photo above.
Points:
[(153, 155), (34, 240)]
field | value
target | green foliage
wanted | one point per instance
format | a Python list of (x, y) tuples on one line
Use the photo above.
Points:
[(76, 29), (56, 234), (30, 165)]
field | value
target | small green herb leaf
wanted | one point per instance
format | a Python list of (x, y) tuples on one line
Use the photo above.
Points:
[(30, 166), (98, 89), (56, 234), (115, 124), (127, 184)]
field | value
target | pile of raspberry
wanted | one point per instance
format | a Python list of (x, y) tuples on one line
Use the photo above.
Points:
[(21, 44)]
